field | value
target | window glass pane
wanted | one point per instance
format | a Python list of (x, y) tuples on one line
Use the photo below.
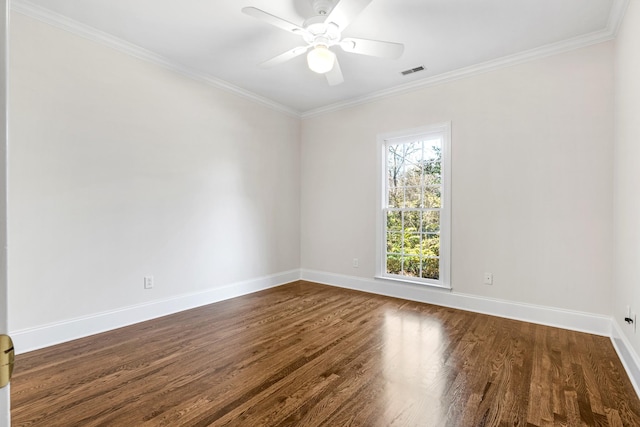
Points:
[(396, 197), (391, 180), (411, 243), (413, 197), (432, 173), (430, 245), (430, 268), (432, 150), (411, 266), (432, 197), (430, 221), (394, 242), (394, 220), (412, 152), (411, 221), (394, 264), (412, 175), (395, 166), (404, 176)]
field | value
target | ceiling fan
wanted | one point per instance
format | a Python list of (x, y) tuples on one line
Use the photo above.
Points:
[(323, 31)]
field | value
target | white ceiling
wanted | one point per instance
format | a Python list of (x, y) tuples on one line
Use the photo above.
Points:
[(214, 40)]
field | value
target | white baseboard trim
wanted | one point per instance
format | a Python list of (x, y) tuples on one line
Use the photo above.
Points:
[(55, 333), (567, 319), (627, 354)]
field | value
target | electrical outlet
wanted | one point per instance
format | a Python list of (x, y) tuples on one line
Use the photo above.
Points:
[(355, 263), (631, 320), (148, 282), (488, 279)]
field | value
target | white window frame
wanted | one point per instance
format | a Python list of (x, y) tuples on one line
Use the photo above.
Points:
[(443, 129)]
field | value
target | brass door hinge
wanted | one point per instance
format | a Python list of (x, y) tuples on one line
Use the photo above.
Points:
[(7, 357)]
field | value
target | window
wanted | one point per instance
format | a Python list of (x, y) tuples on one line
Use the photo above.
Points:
[(414, 206)]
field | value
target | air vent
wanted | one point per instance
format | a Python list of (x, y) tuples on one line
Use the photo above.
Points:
[(412, 70)]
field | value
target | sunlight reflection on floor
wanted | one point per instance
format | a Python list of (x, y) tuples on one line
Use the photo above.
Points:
[(414, 368)]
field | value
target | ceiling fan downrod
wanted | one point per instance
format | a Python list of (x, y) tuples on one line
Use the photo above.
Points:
[(322, 7)]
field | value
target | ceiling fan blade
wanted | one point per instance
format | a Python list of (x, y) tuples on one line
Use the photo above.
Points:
[(284, 57), (346, 11), (273, 20), (373, 48), (334, 76)]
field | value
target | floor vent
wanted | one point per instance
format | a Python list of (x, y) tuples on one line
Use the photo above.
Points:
[(412, 70)]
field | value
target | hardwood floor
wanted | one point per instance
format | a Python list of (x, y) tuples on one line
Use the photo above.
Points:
[(305, 354)]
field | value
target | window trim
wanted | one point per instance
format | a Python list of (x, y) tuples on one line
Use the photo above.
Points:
[(445, 213)]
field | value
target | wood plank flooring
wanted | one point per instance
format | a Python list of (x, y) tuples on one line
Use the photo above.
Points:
[(305, 354)]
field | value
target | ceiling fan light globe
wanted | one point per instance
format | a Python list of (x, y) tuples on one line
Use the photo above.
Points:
[(321, 59)]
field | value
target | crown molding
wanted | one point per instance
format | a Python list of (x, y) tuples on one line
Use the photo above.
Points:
[(24, 7), (616, 16), (461, 73)]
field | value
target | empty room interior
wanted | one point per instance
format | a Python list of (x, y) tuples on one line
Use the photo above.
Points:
[(323, 212)]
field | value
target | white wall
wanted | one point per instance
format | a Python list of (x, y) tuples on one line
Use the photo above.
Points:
[(120, 169), (627, 173), (5, 417), (532, 176)]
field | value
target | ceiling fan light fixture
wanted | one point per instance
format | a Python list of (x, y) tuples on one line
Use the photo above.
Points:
[(321, 59)]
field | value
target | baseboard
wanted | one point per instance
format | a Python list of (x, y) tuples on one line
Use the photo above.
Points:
[(567, 319), (55, 333), (626, 352), (47, 335)]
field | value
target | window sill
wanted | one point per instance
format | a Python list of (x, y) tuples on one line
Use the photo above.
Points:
[(414, 282)]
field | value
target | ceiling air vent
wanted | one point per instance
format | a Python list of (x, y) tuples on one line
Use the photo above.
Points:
[(412, 70)]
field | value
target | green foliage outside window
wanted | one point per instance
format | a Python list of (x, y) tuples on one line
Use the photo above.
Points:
[(413, 212)]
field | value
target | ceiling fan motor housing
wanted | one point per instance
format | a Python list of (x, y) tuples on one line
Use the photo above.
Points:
[(318, 32)]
